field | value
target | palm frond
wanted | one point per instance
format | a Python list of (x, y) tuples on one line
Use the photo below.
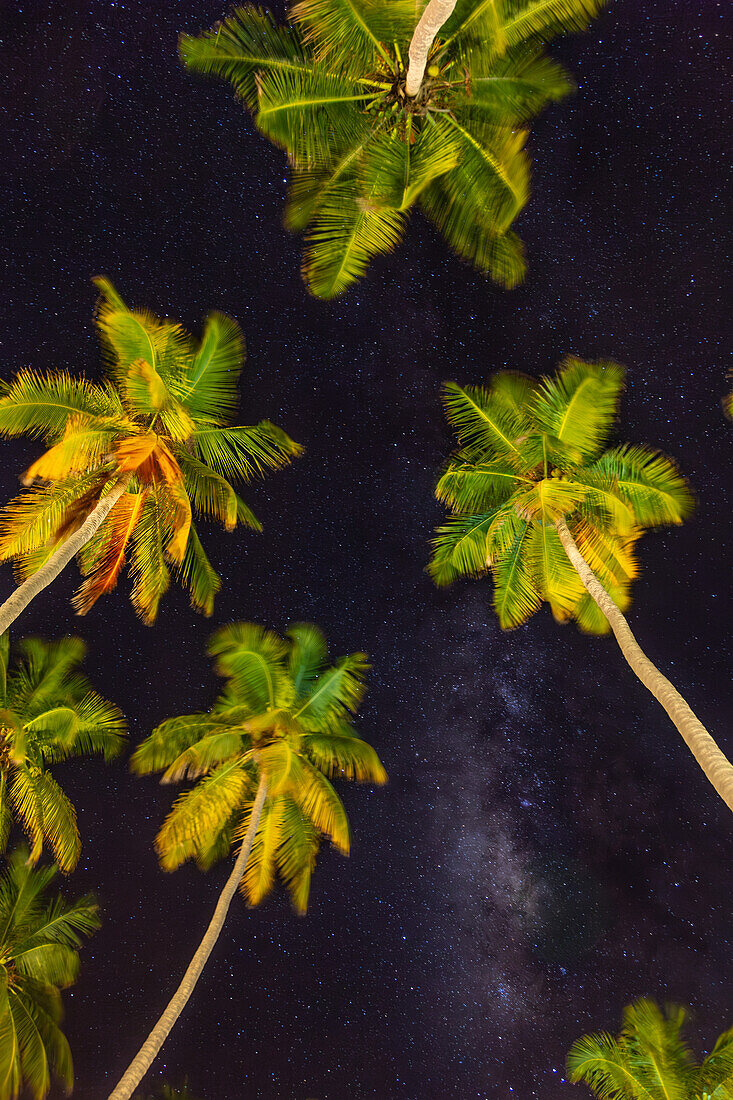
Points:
[(84, 447), (40, 405), (198, 815), (318, 801), (168, 740), (241, 47), (342, 32), (148, 567), (515, 593), (545, 19), (517, 86), (579, 404), (253, 659), (199, 576), (308, 654), (396, 170), (114, 536), (209, 492), (493, 170), (471, 488), (300, 111), (345, 234), (296, 853), (259, 875), (339, 752), (244, 453), (601, 1063), (484, 423), (460, 548), (209, 389), (553, 574), (335, 693), (647, 481)]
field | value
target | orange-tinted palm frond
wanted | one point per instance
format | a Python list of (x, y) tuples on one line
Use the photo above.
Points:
[(104, 568), (150, 458), (143, 388)]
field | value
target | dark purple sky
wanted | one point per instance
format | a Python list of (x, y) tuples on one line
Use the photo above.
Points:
[(547, 849)]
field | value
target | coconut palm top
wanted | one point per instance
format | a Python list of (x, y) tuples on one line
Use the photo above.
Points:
[(284, 714), (533, 454), (650, 1059), (163, 419), (39, 956), (330, 89), (49, 712)]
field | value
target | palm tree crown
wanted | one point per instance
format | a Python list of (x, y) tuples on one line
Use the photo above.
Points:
[(532, 454), (161, 423), (284, 716), (330, 89), (39, 956), (48, 712), (650, 1060)]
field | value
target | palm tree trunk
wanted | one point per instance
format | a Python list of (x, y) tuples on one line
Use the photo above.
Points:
[(143, 1059), (431, 20), (30, 588), (716, 766)]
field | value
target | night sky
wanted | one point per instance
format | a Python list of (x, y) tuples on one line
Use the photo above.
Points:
[(547, 849)]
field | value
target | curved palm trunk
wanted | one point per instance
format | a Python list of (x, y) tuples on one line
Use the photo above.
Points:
[(29, 589), (142, 1061), (431, 20), (716, 766)]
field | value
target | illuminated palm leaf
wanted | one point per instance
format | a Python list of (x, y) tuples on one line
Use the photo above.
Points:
[(330, 88), (650, 1059), (39, 956), (281, 716), (158, 437), (531, 451), (52, 714)]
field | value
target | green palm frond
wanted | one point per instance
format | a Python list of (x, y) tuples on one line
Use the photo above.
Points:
[(40, 405), (241, 47), (578, 406), (493, 170), (647, 481), (199, 576), (244, 453), (39, 943), (130, 336), (342, 31), (296, 854), (201, 813), (517, 85), (340, 753), (515, 593), (599, 1061), (252, 658), (300, 111), (470, 488), (460, 548), (396, 171), (307, 656), (209, 387), (280, 721), (544, 19), (345, 234), (335, 693), (485, 424)]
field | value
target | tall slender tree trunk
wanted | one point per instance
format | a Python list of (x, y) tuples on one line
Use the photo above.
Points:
[(143, 1059), (30, 588), (431, 20), (716, 766)]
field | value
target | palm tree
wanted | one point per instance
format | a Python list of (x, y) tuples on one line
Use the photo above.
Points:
[(48, 712), (367, 142), (650, 1060), (131, 459), (39, 956), (263, 754), (537, 502)]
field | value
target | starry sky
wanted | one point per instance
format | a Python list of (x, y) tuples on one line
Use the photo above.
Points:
[(546, 849)]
